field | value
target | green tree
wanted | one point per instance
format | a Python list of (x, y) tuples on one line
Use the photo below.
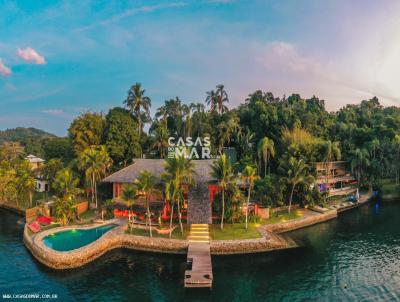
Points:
[(95, 162), (359, 163), (65, 209), (86, 131), (297, 172), (221, 171), (129, 196), (265, 150), (138, 104), (146, 183), (121, 137), (26, 181), (250, 175), (180, 171), (50, 170), (66, 184), (58, 148)]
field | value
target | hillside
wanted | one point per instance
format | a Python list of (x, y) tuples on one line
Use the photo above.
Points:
[(23, 135)]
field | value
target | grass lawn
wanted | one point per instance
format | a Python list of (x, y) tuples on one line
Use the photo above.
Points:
[(234, 231), (176, 234), (88, 215), (44, 228), (283, 217)]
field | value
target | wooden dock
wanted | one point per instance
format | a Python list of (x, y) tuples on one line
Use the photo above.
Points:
[(199, 271)]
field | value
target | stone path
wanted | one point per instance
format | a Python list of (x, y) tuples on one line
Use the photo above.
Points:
[(199, 208)]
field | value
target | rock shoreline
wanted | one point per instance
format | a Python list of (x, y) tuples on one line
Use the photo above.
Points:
[(270, 240)]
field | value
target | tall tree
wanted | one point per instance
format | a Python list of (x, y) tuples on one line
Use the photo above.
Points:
[(121, 137), (94, 161), (297, 172), (250, 175), (265, 150), (221, 170), (138, 103), (146, 183), (86, 131), (66, 184), (180, 170), (359, 162)]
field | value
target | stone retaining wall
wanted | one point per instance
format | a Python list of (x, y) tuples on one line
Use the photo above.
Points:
[(113, 239), (301, 222)]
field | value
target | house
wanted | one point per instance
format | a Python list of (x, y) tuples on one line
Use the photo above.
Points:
[(119, 179), (336, 178), (42, 185)]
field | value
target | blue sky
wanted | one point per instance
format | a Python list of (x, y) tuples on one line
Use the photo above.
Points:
[(61, 58)]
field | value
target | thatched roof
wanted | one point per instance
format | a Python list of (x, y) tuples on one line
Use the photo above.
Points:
[(156, 167)]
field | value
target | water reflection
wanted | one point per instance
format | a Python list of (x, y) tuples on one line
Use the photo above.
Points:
[(354, 257)]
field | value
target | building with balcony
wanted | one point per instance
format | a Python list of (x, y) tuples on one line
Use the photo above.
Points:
[(335, 178)]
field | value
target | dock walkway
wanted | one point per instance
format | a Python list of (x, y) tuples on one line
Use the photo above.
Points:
[(199, 272)]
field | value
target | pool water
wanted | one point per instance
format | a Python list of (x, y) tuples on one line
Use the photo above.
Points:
[(76, 238)]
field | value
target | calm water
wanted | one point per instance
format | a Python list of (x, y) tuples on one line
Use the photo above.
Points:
[(353, 258), (73, 239)]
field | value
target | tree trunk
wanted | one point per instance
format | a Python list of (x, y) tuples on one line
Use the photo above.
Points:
[(95, 193), (265, 166), (30, 198), (180, 216), (170, 219), (247, 207), (291, 197), (149, 216), (223, 209)]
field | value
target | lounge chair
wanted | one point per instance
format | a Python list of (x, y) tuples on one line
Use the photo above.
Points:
[(44, 220), (34, 227)]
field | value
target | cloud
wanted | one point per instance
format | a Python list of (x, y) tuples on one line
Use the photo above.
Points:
[(4, 70), (54, 112), (10, 87), (30, 55), (131, 12)]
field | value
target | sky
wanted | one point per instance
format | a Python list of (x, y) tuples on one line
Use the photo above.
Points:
[(59, 59)]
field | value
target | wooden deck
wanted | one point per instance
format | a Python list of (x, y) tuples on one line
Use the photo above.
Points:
[(199, 272)]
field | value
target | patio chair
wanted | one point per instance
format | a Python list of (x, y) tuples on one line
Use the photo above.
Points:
[(34, 227)]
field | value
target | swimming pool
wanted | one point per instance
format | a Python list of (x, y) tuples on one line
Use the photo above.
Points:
[(76, 238)]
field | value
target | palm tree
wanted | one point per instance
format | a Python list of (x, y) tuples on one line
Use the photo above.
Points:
[(222, 172), (221, 98), (359, 163), (180, 170), (161, 139), (211, 100), (129, 196), (26, 181), (170, 196), (297, 172), (250, 175), (66, 184), (95, 161), (265, 149), (146, 183), (136, 101), (65, 209)]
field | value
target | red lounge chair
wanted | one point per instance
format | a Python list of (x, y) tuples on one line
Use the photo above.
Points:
[(34, 227), (44, 220)]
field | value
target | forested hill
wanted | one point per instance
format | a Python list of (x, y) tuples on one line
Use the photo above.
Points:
[(23, 135)]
